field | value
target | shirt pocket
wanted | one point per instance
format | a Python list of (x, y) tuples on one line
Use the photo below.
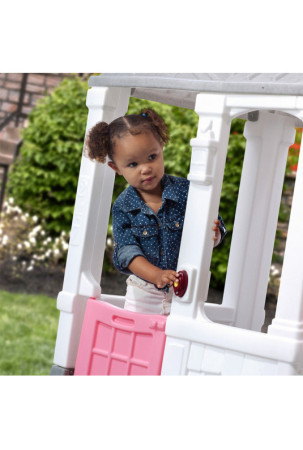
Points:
[(176, 224), (175, 228), (148, 238)]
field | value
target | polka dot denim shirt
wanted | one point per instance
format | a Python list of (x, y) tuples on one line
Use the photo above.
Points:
[(139, 231)]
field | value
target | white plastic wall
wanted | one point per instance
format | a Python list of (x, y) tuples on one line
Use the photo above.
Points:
[(89, 229)]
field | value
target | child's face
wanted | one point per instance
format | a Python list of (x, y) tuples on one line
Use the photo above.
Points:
[(139, 159)]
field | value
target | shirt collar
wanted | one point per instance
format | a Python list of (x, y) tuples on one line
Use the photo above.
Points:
[(133, 201), (170, 191)]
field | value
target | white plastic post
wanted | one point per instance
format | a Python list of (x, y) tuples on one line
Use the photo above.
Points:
[(288, 321), (89, 230), (206, 176), (268, 140)]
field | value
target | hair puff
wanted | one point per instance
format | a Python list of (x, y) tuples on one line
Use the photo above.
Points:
[(98, 142)]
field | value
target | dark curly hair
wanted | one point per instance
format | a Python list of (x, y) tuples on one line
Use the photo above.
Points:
[(100, 141)]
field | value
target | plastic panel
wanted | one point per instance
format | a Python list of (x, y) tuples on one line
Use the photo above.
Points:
[(119, 342)]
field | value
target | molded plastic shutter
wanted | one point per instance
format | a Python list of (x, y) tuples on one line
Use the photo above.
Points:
[(118, 342)]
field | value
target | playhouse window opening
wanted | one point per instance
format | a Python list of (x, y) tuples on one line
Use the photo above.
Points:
[(218, 267), (227, 208), (182, 124), (114, 282), (228, 204)]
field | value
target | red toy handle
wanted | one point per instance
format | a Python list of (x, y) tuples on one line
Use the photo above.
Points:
[(180, 286)]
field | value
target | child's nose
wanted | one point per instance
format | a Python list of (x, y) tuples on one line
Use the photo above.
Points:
[(145, 168)]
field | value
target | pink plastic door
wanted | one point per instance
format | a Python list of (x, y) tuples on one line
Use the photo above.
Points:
[(118, 342)]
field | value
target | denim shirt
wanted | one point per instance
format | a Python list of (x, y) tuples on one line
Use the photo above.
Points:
[(139, 231)]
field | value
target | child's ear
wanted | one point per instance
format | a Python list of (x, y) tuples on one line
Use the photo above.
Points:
[(113, 166)]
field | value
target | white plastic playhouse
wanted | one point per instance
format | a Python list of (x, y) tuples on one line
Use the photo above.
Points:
[(96, 336)]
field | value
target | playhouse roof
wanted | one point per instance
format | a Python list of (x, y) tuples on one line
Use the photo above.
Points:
[(180, 89)]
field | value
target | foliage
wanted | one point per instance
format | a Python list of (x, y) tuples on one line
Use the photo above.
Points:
[(25, 245), (43, 181), (28, 330), (294, 150)]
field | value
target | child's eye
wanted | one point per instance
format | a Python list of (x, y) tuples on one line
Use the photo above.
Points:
[(133, 164), (153, 156)]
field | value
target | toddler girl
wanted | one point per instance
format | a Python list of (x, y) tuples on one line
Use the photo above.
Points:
[(148, 216)]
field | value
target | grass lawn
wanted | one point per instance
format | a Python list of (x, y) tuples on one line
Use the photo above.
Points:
[(28, 330)]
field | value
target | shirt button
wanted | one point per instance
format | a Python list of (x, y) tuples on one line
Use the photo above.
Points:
[(177, 224), (144, 233), (161, 253)]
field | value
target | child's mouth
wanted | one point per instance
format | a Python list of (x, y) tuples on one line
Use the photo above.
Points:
[(148, 180)]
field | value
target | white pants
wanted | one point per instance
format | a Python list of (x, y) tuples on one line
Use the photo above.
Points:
[(143, 297)]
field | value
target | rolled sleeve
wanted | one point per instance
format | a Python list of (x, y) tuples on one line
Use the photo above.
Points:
[(223, 231), (124, 256), (126, 247)]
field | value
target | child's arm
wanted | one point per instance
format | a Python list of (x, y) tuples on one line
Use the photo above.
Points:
[(220, 231), (144, 269), (217, 236)]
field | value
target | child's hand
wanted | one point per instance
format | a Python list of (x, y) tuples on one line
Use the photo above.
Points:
[(216, 229), (166, 277)]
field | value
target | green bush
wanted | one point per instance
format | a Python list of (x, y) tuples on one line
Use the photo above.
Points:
[(43, 181)]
